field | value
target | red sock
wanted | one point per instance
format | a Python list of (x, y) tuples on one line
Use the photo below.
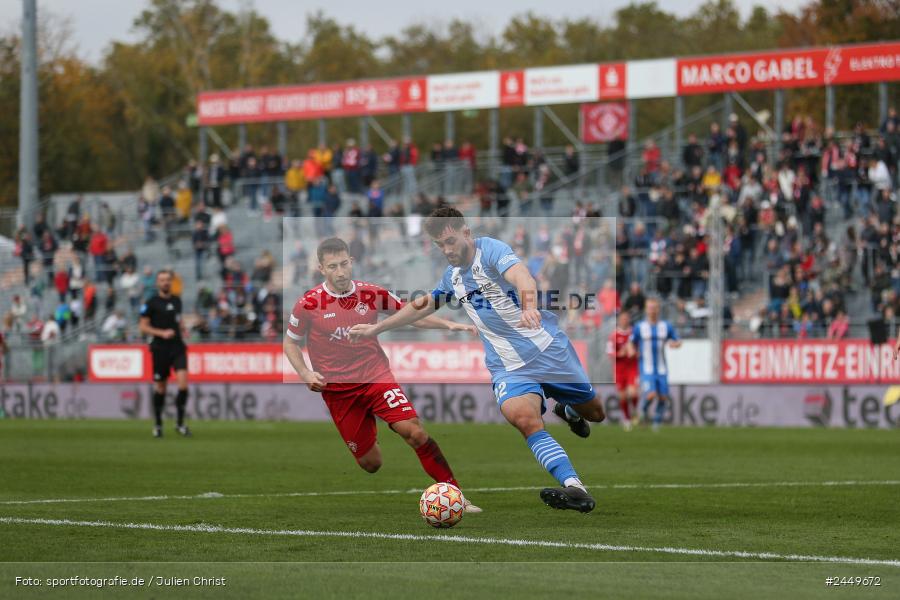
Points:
[(434, 463), (625, 405)]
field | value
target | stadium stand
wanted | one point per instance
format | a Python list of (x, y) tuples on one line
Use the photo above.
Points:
[(811, 234)]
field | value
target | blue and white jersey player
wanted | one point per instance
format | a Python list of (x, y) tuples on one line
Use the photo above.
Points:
[(651, 337), (528, 356)]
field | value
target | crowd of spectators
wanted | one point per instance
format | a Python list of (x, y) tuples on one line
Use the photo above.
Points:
[(264, 178), (315, 184), (82, 267), (780, 236), (776, 234), (526, 179)]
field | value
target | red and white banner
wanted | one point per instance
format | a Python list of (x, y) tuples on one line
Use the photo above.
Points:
[(411, 362), (862, 64), (612, 81), (345, 99), (206, 363), (118, 363), (808, 361), (562, 85), (512, 88), (656, 78), (464, 91), (604, 122), (837, 65)]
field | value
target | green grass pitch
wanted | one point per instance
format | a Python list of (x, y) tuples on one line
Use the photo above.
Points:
[(263, 528)]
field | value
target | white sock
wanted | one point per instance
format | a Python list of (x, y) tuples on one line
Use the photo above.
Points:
[(574, 482)]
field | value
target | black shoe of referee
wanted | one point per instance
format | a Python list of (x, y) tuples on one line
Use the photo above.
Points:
[(157, 432), (578, 426), (183, 431), (568, 498)]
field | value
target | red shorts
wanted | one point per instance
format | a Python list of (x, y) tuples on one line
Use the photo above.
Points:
[(626, 376), (354, 410)]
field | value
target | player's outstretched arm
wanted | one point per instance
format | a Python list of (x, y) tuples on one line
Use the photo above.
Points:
[(434, 322), (313, 380), (411, 312), (526, 287)]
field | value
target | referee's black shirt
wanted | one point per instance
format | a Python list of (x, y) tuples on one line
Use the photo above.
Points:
[(164, 313)]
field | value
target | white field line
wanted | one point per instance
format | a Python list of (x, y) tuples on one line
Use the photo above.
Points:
[(618, 486), (461, 539)]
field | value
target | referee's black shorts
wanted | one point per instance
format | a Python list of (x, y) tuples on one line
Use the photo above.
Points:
[(168, 358)]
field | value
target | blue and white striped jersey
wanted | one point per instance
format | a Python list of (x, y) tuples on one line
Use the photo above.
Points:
[(493, 305), (650, 341)]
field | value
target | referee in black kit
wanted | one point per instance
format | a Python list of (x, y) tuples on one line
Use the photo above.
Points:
[(161, 318)]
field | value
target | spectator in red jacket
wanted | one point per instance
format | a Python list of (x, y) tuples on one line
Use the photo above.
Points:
[(226, 245), (409, 158), (409, 155), (732, 177), (61, 281), (651, 156), (312, 168), (90, 300), (839, 327), (608, 298), (98, 247), (467, 154)]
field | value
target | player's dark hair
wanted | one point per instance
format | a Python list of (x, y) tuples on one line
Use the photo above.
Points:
[(442, 218), (331, 246)]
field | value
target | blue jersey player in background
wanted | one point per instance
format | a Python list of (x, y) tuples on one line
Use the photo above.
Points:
[(650, 337), (530, 359)]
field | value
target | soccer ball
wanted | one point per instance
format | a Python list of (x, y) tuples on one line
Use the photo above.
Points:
[(442, 505)]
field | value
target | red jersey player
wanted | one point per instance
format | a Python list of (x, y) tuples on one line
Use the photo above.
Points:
[(355, 377), (623, 353)]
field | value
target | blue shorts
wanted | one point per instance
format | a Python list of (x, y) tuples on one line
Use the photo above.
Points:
[(655, 383), (559, 362)]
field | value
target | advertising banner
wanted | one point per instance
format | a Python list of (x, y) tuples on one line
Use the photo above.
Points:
[(416, 362), (632, 80), (512, 88), (653, 78), (836, 65), (463, 91), (863, 64), (345, 99), (691, 363), (701, 405), (612, 81), (561, 85), (808, 361)]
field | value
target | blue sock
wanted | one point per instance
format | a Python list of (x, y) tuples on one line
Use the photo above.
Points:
[(660, 410), (551, 456), (645, 406)]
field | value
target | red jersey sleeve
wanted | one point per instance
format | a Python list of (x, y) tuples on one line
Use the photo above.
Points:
[(611, 345), (298, 321)]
